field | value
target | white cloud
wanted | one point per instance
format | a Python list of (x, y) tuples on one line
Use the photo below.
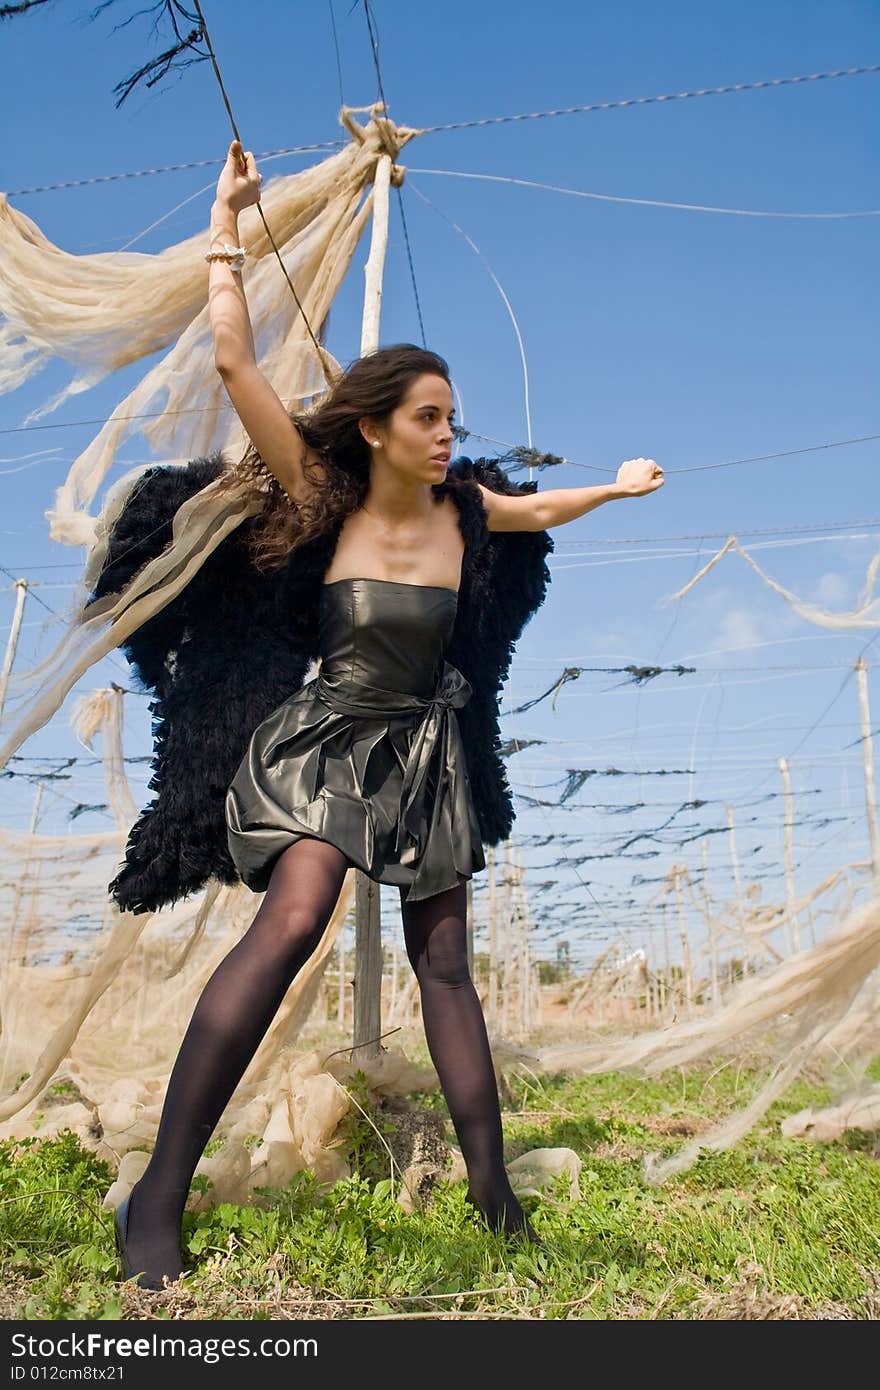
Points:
[(739, 628), (833, 590)]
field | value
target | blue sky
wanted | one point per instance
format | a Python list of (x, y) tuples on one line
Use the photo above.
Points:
[(692, 337)]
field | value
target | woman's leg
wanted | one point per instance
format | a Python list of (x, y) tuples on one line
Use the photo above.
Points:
[(436, 942), (230, 1020)]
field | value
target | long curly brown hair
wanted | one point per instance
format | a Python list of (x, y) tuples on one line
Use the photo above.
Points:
[(371, 386)]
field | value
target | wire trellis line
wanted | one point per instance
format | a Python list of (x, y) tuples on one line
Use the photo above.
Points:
[(456, 125), (646, 101), (645, 202), (168, 169)]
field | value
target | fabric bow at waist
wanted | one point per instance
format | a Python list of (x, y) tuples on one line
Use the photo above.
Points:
[(432, 738)]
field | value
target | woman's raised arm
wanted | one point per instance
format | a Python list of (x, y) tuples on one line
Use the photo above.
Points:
[(264, 417)]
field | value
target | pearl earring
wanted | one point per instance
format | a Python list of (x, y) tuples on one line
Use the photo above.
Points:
[(375, 443)]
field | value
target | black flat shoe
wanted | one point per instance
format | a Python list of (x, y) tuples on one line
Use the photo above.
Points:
[(120, 1227), (524, 1235)]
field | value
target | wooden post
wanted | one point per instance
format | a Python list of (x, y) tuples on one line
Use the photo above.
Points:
[(667, 963), (506, 905), (685, 945), (340, 1002), (710, 926), (793, 932), (522, 954), (368, 968), (375, 266), (868, 758), (659, 981), (395, 970), (649, 986), (737, 882), (368, 945), (493, 937), (21, 588)]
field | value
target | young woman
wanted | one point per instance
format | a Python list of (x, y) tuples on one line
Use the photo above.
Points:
[(364, 765)]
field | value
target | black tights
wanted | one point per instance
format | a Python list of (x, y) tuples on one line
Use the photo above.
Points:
[(242, 997), (435, 931)]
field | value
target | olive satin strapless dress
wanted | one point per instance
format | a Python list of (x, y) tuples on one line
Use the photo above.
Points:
[(368, 755)]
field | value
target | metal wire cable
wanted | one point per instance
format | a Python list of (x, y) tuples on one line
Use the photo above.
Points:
[(646, 202), (457, 125), (168, 169), (646, 101), (696, 468)]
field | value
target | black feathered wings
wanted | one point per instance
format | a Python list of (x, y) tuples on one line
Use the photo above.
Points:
[(237, 642)]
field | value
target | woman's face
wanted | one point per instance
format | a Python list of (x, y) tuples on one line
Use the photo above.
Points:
[(416, 439)]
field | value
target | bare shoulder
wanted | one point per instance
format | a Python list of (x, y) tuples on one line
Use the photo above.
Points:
[(521, 513)]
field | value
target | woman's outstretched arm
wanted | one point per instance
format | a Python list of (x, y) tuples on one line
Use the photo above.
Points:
[(264, 417), (539, 511)]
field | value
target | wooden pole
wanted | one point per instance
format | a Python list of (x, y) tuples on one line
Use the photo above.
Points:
[(368, 946), (21, 588), (868, 758), (653, 958), (340, 1002), (667, 962), (685, 944), (375, 266), (506, 901), (522, 954), (368, 968), (793, 931), (710, 925), (493, 937), (649, 981), (737, 882), (395, 971)]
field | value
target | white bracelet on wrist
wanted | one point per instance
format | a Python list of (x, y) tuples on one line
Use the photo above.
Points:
[(234, 256)]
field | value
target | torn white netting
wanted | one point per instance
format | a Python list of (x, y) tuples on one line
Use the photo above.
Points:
[(793, 1008), (110, 1007), (865, 614), (316, 218)]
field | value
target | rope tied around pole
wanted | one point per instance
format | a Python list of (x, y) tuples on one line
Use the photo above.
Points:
[(388, 138)]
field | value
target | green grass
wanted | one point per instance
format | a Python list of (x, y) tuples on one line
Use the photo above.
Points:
[(774, 1228)]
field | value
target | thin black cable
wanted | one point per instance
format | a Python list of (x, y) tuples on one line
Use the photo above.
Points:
[(374, 44), (818, 720), (336, 46), (533, 458), (833, 702), (30, 589), (56, 614), (214, 64), (412, 269)]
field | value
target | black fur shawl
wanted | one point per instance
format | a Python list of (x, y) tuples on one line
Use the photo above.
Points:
[(236, 643)]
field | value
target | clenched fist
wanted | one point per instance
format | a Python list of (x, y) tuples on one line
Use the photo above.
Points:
[(636, 477), (239, 184)]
